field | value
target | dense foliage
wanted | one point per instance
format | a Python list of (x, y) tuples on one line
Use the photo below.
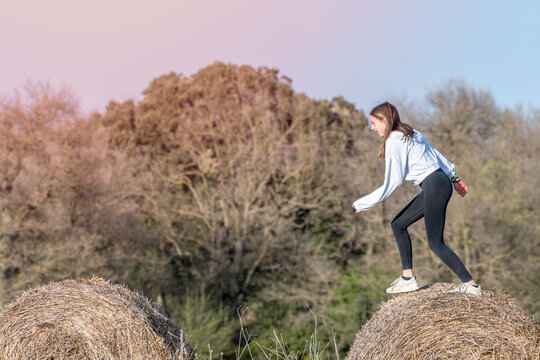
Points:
[(227, 190)]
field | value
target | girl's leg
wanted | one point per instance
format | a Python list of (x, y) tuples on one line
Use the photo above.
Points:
[(410, 214), (437, 192)]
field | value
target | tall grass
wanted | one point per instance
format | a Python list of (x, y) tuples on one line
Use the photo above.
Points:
[(278, 349)]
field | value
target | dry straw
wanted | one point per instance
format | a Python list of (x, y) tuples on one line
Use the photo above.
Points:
[(88, 319), (435, 324)]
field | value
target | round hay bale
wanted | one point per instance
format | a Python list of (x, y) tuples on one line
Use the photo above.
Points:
[(88, 319), (433, 323)]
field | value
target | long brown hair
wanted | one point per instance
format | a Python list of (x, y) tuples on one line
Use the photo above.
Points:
[(388, 113)]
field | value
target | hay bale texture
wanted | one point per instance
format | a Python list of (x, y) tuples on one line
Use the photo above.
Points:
[(88, 319), (435, 324)]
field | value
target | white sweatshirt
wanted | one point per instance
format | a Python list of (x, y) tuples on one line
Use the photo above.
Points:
[(405, 159)]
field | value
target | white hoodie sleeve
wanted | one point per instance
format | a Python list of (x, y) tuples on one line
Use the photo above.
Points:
[(395, 164), (445, 164)]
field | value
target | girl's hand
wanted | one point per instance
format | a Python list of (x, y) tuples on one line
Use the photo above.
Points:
[(461, 188), (354, 208)]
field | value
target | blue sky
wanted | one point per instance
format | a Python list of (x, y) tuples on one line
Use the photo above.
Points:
[(366, 51)]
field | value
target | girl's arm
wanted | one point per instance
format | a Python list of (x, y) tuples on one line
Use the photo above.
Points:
[(395, 162), (450, 171), (448, 168)]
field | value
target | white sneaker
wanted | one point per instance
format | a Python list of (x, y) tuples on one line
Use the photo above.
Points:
[(401, 285), (468, 289)]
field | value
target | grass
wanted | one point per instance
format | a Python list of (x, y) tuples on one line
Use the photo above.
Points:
[(278, 349)]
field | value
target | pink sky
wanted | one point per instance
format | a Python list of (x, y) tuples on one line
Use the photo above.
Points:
[(113, 49), (368, 51)]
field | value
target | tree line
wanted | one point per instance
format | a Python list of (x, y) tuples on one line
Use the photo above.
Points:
[(228, 190)]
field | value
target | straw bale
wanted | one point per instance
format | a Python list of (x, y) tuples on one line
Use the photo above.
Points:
[(433, 324), (88, 319)]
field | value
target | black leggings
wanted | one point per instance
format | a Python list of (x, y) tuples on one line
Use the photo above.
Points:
[(431, 204)]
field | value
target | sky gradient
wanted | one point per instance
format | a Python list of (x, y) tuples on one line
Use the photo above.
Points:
[(366, 51)]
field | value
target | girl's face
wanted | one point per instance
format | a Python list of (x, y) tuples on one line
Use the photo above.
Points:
[(379, 126)]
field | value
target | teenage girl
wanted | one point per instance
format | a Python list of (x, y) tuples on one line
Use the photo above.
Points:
[(408, 156)]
